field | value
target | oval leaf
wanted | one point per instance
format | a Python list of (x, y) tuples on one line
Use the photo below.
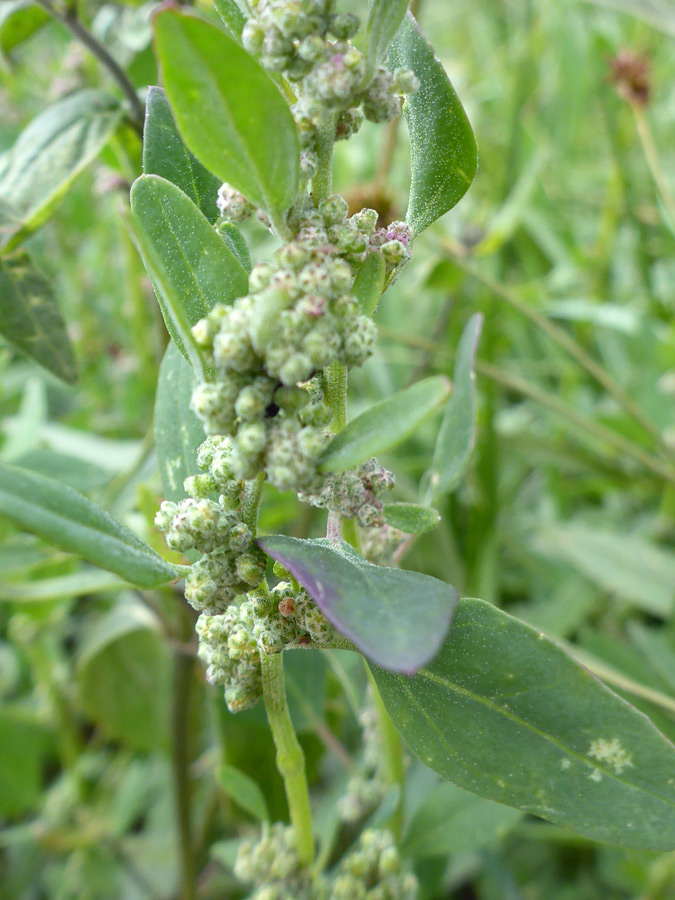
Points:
[(231, 15), (396, 618), (385, 424), (248, 138), (442, 146), (190, 266), (411, 518), (19, 19), (369, 282), (383, 23), (50, 153), (457, 433), (165, 154), (243, 790), (178, 432), (30, 319), (69, 521), (504, 712)]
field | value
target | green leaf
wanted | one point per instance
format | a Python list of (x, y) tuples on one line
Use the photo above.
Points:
[(384, 21), (231, 15), (76, 473), (658, 13), (385, 424), (244, 791), (248, 138), (442, 146), (396, 618), (50, 153), (236, 244), (452, 821), (69, 521), (637, 570), (165, 154), (30, 319), (457, 433), (504, 712), (22, 751), (123, 674), (78, 584), (411, 518), (178, 432), (369, 282), (19, 19), (189, 265)]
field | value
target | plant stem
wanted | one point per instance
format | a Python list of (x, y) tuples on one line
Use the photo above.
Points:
[(652, 156), (290, 758), (323, 180), (335, 383), (180, 730), (392, 767), (250, 501), (562, 339), (69, 19)]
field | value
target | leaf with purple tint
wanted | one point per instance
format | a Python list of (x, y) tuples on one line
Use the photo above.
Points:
[(396, 618)]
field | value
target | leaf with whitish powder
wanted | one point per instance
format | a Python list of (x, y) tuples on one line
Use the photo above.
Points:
[(504, 712), (396, 618)]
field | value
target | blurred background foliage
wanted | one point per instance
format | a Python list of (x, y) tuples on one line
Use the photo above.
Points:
[(109, 736)]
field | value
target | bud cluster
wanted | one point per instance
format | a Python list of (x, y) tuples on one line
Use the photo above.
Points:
[(373, 871), (272, 865), (265, 622), (354, 494), (309, 44)]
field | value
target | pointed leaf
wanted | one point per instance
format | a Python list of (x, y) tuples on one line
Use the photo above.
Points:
[(50, 153), (504, 712), (30, 318), (19, 19), (457, 433), (178, 432), (244, 791), (383, 22), (385, 424), (165, 154), (231, 15), (236, 244), (190, 266), (411, 518), (442, 146), (369, 282), (67, 520), (248, 138), (396, 618)]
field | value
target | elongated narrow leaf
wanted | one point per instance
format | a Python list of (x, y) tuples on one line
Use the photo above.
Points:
[(78, 584), (165, 154), (190, 266), (236, 244), (69, 521), (658, 13), (385, 424), (50, 153), (384, 21), (369, 282), (442, 146), (19, 19), (396, 618), (243, 790), (231, 15), (504, 712), (30, 319), (453, 821), (248, 138), (411, 517), (178, 432), (637, 570), (457, 434)]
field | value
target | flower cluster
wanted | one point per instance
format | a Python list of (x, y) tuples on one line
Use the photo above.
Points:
[(335, 85), (367, 789), (354, 494), (272, 865), (266, 621), (373, 871)]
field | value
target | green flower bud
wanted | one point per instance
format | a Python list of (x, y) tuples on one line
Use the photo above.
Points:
[(334, 209), (251, 568), (343, 26)]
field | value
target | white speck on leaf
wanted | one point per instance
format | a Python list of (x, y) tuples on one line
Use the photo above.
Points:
[(612, 753), (596, 775), (565, 764)]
